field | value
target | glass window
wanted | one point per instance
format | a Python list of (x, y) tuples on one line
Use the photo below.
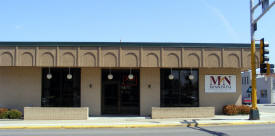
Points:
[(60, 91), (181, 91), (245, 80)]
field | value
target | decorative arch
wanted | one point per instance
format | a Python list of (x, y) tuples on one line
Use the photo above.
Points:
[(257, 61), (26, 59), (172, 60), (152, 60), (131, 60), (233, 60), (68, 59), (110, 60), (193, 60), (88, 59), (6, 59), (47, 59), (213, 60)]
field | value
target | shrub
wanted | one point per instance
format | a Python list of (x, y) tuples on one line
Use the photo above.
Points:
[(15, 114), (4, 115), (230, 110), (244, 109), (234, 110), (2, 110), (11, 114)]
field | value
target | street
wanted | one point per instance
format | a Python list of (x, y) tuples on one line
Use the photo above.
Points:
[(252, 130)]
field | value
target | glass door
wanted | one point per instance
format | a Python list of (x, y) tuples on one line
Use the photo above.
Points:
[(111, 98), (120, 95)]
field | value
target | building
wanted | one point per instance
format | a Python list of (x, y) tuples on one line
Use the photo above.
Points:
[(246, 87), (122, 78), (265, 88)]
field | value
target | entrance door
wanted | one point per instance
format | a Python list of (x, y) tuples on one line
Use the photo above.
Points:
[(120, 95), (59, 91)]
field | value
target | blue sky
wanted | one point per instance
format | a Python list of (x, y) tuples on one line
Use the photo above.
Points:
[(225, 21)]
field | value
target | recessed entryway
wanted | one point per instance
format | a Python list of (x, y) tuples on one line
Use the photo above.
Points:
[(120, 93)]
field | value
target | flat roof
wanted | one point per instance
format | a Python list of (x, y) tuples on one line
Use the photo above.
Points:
[(127, 44)]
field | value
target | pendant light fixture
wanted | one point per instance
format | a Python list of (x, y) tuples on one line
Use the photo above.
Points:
[(69, 76), (49, 75), (110, 76), (130, 76), (171, 76), (191, 76)]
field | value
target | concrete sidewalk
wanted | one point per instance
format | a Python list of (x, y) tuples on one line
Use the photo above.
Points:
[(133, 122)]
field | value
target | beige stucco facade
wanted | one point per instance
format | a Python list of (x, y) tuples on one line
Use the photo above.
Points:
[(175, 57), (20, 87), (218, 100), (149, 90), (21, 71), (91, 90)]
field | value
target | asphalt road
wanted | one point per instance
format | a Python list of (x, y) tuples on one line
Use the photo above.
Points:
[(251, 130)]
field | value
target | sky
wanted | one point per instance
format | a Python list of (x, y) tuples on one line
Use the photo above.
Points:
[(198, 21)]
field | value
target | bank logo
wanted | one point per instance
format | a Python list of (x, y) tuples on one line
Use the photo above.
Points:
[(220, 83)]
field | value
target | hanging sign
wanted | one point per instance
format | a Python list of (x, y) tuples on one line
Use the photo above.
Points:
[(220, 83)]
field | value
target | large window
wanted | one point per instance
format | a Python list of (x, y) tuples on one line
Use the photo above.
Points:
[(180, 91), (59, 91)]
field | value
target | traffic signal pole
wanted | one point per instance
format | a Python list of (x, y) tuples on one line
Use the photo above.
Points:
[(254, 112)]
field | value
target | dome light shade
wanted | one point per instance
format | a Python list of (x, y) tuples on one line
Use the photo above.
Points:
[(49, 76), (171, 77), (191, 77), (110, 76), (69, 76), (131, 76)]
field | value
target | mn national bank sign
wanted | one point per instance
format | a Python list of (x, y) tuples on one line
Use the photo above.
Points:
[(220, 83)]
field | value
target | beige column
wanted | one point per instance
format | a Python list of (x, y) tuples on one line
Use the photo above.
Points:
[(149, 90), (20, 87), (91, 90)]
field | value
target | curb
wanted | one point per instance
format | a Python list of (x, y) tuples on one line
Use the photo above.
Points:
[(136, 126)]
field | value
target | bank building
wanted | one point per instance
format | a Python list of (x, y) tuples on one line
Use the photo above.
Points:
[(122, 78)]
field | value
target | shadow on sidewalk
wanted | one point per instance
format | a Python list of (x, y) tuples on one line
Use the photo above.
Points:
[(215, 133), (230, 119)]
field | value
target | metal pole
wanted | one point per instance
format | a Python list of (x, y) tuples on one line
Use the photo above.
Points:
[(269, 7), (254, 112)]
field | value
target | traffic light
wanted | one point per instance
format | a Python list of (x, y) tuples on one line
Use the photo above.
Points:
[(263, 51), (265, 67)]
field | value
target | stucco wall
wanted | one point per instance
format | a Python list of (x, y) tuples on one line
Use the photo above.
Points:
[(19, 87), (149, 90), (218, 100), (91, 90), (117, 56)]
